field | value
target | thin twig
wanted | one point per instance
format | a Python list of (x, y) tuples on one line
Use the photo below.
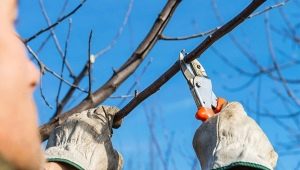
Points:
[(280, 4), (122, 96), (55, 38), (284, 100), (136, 81), (287, 21), (153, 139), (258, 98), (107, 120), (43, 44), (91, 60), (292, 30), (262, 70), (63, 63), (275, 117), (41, 91), (63, 9), (242, 86), (278, 70), (119, 33), (229, 63), (27, 40), (201, 34), (49, 36), (252, 76), (42, 66), (209, 32)]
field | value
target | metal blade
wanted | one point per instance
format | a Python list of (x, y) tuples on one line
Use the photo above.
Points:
[(186, 70), (198, 69)]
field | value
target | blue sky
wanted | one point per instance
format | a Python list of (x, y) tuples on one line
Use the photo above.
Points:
[(172, 108)]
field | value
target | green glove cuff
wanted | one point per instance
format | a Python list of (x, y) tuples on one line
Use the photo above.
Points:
[(245, 164), (66, 161)]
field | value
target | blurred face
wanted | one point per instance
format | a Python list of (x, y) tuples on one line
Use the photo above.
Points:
[(19, 138)]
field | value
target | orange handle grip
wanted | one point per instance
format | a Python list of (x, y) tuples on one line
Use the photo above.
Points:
[(221, 102), (205, 113)]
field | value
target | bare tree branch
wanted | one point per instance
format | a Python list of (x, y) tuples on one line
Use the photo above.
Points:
[(123, 73), (229, 26)]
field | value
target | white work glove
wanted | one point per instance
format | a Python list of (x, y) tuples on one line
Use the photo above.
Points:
[(84, 141), (232, 139)]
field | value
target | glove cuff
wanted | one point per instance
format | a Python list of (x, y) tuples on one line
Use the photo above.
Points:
[(59, 154), (243, 164), (66, 161)]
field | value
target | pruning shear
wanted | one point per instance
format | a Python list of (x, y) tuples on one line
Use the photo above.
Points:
[(201, 87)]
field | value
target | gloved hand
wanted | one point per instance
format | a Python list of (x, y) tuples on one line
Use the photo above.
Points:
[(84, 141), (232, 139)]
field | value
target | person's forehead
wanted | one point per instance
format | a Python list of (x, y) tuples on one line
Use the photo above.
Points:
[(9, 3)]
